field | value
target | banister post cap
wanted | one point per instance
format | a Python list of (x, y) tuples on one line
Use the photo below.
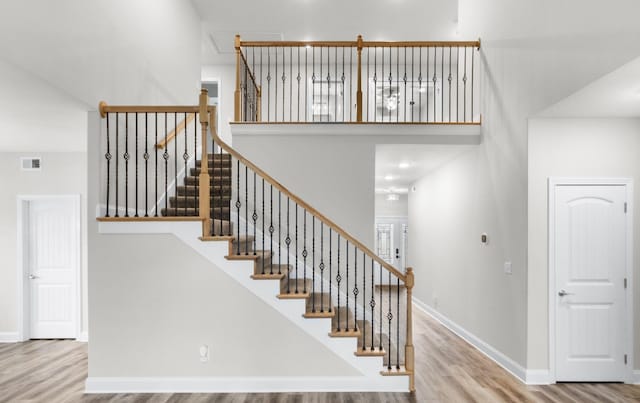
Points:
[(101, 107), (237, 42), (410, 280)]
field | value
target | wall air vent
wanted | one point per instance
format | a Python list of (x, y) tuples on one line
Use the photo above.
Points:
[(30, 163)]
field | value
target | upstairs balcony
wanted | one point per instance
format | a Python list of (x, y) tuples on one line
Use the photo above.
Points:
[(357, 86)]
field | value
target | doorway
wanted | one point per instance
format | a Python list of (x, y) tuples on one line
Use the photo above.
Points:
[(590, 269), (49, 267)]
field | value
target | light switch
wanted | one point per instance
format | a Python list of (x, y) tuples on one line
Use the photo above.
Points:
[(507, 268)]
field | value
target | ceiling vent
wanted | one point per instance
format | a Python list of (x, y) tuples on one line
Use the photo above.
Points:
[(30, 163)]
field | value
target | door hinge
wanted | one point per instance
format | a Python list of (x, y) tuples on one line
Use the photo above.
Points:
[(625, 207), (625, 359), (625, 282)]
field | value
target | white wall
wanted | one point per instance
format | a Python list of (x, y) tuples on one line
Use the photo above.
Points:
[(68, 165), (574, 148), (225, 74), (123, 52), (391, 208)]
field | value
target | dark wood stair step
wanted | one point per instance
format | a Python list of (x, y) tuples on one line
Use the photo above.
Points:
[(215, 171), (217, 213), (321, 302), (190, 201), (213, 181), (194, 190)]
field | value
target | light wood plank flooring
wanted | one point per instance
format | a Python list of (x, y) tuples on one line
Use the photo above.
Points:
[(449, 370)]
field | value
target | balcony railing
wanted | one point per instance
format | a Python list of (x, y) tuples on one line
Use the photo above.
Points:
[(356, 82)]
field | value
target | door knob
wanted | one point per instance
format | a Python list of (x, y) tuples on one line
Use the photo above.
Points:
[(563, 293), (33, 277)]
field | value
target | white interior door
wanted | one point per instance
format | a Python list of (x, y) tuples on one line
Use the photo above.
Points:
[(53, 268), (590, 264)]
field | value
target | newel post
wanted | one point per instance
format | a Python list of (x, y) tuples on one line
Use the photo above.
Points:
[(409, 355), (259, 104), (204, 192), (359, 92), (237, 95)]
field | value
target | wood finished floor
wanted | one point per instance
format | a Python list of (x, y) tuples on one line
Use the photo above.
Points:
[(449, 370)]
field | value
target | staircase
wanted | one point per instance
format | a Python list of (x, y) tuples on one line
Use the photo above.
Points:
[(288, 242)]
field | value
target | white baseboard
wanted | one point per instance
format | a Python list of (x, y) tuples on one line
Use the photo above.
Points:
[(234, 385), (636, 377), (83, 337), (538, 377), (9, 337), (505, 362)]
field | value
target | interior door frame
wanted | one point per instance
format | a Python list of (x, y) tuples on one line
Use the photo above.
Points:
[(23, 289), (554, 182)]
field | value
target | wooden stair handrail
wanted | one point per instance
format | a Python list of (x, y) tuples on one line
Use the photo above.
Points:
[(177, 130), (104, 108), (385, 44), (303, 204)]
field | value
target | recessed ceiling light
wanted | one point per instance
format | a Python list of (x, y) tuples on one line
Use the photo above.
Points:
[(388, 178), (404, 165)]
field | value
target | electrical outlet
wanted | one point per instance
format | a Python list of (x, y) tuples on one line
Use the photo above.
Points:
[(507, 268), (204, 353)]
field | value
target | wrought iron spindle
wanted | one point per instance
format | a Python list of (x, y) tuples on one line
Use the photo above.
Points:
[(117, 163), (313, 83), (306, 83), (254, 216), (136, 181), (458, 84), (389, 318), (382, 81), (355, 288), (246, 211), (321, 267), (442, 84), (146, 165), (364, 298), (335, 102), (404, 78), (290, 86), (155, 141), (472, 67), (464, 90), (185, 156), (275, 98), (412, 81), (435, 81), (347, 283), (380, 348), (321, 100), (279, 231), (288, 242), (304, 251), (175, 160), (298, 77), (397, 323), (338, 280), (268, 84), (108, 157), (126, 164), (449, 79), (313, 263), (238, 205), (284, 79), (165, 156), (271, 229), (330, 268), (372, 304), (263, 220)]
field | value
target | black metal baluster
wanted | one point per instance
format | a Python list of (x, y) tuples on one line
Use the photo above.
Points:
[(330, 271), (449, 79), (458, 84), (108, 157), (321, 100), (313, 83), (238, 205), (442, 85), (412, 81), (380, 295), (375, 84), (126, 164), (344, 98), (355, 288), (351, 80), (136, 181), (335, 102), (284, 79), (279, 231), (298, 77), (351, 84), (427, 89), (306, 83), (372, 304), (382, 81), (271, 229), (246, 212), (322, 266), (155, 141), (304, 252), (117, 163), (290, 86), (263, 220), (347, 284), (464, 90), (435, 80), (472, 65), (165, 156), (398, 84), (268, 83), (404, 78), (175, 159), (296, 247), (195, 158), (389, 318), (364, 298), (313, 263), (254, 216), (146, 165), (185, 156), (338, 280), (288, 242), (397, 323), (275, 98)]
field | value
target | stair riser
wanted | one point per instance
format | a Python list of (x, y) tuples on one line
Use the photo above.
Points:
[(213, 181), (193, 202), (191, 212), (225, 172), (213, 191)]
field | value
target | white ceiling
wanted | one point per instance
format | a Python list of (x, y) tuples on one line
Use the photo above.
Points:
[(616, 95), (321, 20), (421, 158)]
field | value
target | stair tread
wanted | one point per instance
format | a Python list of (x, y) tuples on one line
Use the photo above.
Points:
[(267, 276)]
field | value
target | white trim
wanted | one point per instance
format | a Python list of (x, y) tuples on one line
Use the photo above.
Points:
[(538, 377), (636, 377), (9, 337), (84, 337), (553, 182), (492, 353), (22, 296), (234, 384)]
